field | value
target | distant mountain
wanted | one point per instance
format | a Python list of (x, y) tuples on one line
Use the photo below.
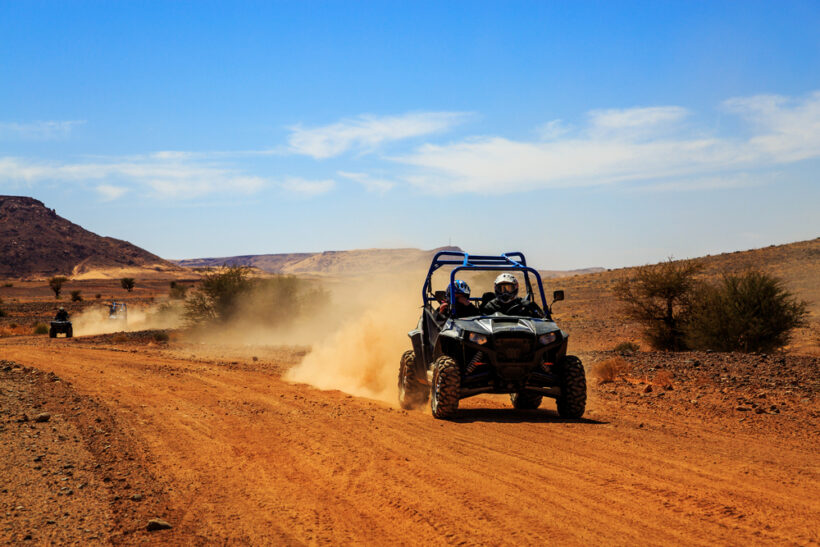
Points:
[(330, 263), (344, 263), (35, 241)]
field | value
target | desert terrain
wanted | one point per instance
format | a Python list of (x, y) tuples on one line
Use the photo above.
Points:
[(296, 438)]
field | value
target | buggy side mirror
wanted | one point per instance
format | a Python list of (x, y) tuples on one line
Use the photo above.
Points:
[(557, 296), (441, 296)]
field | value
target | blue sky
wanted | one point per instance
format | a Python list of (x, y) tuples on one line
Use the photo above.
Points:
[(582, 133)]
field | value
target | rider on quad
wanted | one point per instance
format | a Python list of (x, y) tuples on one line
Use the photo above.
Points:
[(507, 301), (62, 315)]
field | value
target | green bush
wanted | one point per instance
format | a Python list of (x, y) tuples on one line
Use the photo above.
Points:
[(76, 296), (8, 284), (40, 328), (230, 294), (2, 311), (659, 297), (747, 312), (128, 283), (626, 348), (97, 296), (161, 336)]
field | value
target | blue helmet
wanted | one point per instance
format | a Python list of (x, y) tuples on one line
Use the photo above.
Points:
[(460, 287)]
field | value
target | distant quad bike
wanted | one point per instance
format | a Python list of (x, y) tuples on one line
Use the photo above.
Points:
[(455, 358), (61, 327), (118, 313)]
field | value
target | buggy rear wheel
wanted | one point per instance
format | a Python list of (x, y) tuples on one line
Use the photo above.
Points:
[(412, 393), (573, 399), (525, 400), (445, 388)]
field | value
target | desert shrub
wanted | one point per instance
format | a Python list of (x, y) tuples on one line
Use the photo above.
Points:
[(76, 296), (2, 311), (659, 297), (177, 291), (610, 370), (13, 325), (626, 348), (230, 294), (8, 284), (40, 328), (161, 336), (747, 312), (97, 296), (56, 285), (128, 283)]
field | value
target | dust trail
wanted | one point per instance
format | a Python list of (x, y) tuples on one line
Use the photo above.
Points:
[(362, 357), (94, 320)]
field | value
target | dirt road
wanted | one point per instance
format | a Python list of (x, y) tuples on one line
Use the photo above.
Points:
[(239, 455)]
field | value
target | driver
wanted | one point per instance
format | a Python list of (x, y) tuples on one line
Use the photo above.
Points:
[(506, 299), (464, 308), (62, 315)]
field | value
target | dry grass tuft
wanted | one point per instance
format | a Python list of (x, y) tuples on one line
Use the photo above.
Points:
[(611, 369)]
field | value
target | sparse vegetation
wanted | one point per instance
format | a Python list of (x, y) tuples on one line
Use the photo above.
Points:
[(177, 291), (128, 283), (746, 312), (161, 337), (626, 348), (8, 285), (97, 296), (659, 298), (76, 296), (56, 285), (230, 293), (40, 328), (2, 311)]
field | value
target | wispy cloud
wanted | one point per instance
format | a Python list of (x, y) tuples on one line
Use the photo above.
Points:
[(307, 188), (109, 192), (365, 133), (37, 131), (371, 183), (164, 178), (627, 145)]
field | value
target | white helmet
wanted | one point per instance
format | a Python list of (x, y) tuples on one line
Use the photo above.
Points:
[(506, 287)]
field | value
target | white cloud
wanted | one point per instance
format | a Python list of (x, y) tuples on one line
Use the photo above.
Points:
[(365, 133), (165, 178), (37, 130), (372, 184), (307, 188), (616, 147), (110, 193), (630, 118)]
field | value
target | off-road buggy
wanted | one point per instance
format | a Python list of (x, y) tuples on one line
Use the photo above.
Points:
[(61, 327), (458, 357), (118, 313)]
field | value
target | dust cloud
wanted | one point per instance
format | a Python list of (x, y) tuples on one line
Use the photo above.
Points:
[(94, 320)]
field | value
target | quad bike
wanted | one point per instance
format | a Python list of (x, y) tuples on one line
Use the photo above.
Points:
[(61, 327), (458, 357), (118, 314)]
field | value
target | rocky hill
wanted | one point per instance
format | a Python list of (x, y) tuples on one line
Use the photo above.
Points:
[(35, 241)]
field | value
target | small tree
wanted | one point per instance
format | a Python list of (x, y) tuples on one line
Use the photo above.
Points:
[(218, 294), (127, 283), (659, 297), (747, 312), (56, 284), (76, 296)]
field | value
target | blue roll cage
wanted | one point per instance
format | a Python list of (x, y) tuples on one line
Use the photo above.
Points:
[(465, 261)]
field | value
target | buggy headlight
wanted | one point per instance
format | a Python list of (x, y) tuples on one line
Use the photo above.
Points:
[(479, 339), (548, 338)]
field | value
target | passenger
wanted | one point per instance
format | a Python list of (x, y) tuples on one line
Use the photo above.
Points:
[(506, 299), (464, 308), (62, 315)]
